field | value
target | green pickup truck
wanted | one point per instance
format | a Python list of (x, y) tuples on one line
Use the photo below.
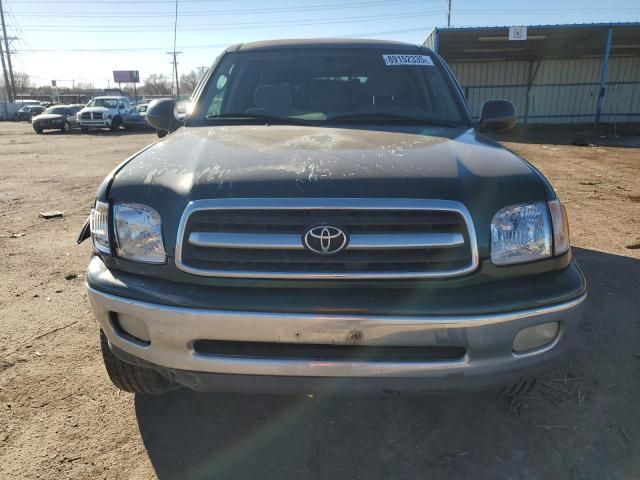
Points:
[(328, 217)]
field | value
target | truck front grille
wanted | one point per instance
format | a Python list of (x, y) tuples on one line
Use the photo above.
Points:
[(91, 116), (386, 238)]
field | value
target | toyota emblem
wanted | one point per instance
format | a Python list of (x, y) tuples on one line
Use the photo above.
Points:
[(325, 239)]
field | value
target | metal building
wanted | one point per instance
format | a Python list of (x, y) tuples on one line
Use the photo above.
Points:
[(583, 73)]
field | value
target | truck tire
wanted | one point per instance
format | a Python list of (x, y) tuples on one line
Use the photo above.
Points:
[(115, 124), (84, 129), (161, 133), (131, 378)]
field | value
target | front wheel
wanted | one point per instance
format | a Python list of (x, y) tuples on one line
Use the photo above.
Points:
[(131, 378), (66, 128), (161, 133), (84, 129), (115, 124), (38, 130)]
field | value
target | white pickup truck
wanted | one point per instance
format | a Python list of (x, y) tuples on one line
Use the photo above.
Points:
[(104, 112)]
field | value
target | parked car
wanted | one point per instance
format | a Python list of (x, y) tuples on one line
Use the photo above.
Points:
[(27, 112), (57, 117), (137, 118), (329, 217), (104, 112)]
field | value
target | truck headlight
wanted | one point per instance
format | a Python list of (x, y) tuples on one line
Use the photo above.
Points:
[(99, 226), (520, 233), (138, 233)]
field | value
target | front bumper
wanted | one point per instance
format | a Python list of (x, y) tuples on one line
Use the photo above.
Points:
[(487, 340), (95, 123), (50, 125)]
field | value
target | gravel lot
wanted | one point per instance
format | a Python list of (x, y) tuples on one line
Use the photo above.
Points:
[(61, 418)]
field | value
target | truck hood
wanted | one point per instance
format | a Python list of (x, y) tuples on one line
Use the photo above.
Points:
[(48, 116), (94, 110), (302, 161)]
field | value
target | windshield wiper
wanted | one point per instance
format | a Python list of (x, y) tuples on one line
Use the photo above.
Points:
[(267, 119), (390, 116)]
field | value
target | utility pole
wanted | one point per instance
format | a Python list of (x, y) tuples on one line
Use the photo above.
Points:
[(7, 86), (449, 15), (6, 44), (174, 54)]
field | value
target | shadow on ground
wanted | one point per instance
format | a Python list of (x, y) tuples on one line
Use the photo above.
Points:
[(591, 428), (627, 136), (106, 132)]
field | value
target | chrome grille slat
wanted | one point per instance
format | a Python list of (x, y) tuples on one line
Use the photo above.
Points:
[(356, 241), (389, 238), (302, 256)]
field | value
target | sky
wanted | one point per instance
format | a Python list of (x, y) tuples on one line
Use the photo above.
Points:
[(85, 40)]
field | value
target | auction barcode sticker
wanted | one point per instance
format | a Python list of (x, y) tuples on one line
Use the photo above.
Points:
[(420, 60)]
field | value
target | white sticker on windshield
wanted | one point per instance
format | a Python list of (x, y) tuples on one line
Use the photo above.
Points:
[(420, 60)]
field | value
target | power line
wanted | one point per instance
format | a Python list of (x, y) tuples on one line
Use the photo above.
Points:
[(267, 24), (122, 2), (203, 46), (168, 15), (199, 47), (75, 14), (288, 9)]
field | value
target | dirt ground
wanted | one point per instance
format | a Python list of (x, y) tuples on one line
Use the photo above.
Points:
[(61, 418)]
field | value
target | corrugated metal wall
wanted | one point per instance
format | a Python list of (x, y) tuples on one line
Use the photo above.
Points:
[(562, 91)]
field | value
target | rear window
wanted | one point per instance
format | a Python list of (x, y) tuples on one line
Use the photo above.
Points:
[(320, 85)]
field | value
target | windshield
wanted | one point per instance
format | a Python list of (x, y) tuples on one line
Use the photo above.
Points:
[(104, 102), (57, 110), (330, 86)]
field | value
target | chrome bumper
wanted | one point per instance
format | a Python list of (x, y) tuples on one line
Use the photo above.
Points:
[(95, 123), (487, 339)]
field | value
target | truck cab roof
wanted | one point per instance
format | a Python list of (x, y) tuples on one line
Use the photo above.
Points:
[(325, 43)]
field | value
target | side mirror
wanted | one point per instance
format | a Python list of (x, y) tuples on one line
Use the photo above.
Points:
[(161, 115), (497, 116)]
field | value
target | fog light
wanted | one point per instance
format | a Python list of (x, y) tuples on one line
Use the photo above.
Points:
[(535, 337), (133, 326)]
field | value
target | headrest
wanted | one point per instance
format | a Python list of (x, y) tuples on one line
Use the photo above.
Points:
[(384, 84), (273, 97)]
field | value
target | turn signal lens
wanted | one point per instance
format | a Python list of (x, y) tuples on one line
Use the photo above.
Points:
[(99, 225), (560, 223)]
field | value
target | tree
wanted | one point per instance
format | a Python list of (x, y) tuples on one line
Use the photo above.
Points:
[(157, 84), (84, 86), (189, 81), (23, 82)]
